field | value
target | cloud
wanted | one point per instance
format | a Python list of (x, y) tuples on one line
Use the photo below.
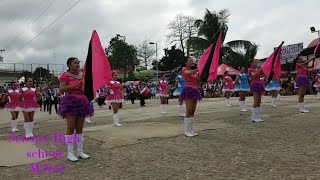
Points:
[(266, 23)]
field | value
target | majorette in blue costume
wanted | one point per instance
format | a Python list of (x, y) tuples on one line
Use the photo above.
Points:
[(180, 84)]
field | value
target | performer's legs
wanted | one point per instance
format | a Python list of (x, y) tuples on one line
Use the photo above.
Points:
[(302, 92), (80, 138), (115, 116)]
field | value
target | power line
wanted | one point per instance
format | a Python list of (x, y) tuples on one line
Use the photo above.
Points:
[(25, 18), (44, 29), (17, 37)]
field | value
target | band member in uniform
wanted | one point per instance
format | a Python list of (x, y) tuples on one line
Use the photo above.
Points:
[(75, 107), (54, 98), (180, 84), (243, 88), (102, 96), (317, 84), (28, 105), (190, 95), (302, 81), (12, 97), (228, 87), (163, 93), (141, 85), (257, 89), (115, 97)]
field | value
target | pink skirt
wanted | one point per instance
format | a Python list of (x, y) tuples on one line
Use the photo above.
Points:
[(28, 106), (114, 98), (228, 88), (317, 84), (163, 93), (12, 106)]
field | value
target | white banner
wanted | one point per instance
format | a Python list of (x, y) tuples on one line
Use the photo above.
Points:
[(291, 50)]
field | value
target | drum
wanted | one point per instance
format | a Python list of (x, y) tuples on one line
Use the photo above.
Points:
[(145, 92)]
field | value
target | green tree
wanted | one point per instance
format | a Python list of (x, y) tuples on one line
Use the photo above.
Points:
[(54, 80), (144, 75), (234, 53), (42, 73), (122, 56), (172, 59)]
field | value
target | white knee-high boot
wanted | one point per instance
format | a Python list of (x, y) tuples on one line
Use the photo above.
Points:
[(31, 125), (191, 127), (14, 125), (273, 104), (116, 121), (302, 108), (318, 93), (79, 142), (181, 111), (187, 125), (26, 129), (69, 140)]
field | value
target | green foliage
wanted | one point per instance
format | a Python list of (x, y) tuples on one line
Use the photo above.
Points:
[(54, 80), (173, 58), (235, 53), (42, 73), (143, 75), (122, 56)]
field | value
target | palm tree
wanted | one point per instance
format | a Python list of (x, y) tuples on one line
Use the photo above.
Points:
[(235, 53)]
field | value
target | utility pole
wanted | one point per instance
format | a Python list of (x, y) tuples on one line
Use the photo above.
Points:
[(54, 62)]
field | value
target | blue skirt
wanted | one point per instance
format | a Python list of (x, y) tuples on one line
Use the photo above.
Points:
[(75, 105), (273, 86), (242, 87), (177, 91)]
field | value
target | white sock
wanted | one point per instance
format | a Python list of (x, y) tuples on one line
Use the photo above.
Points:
[(241, 104)]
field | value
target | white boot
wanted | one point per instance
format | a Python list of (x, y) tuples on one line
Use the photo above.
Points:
[(279, 97), (228, 103), (181, 111), (31, 125), (318, 93), (26, 129), (243, 106), (191, 127), (88, 120), (14, 124), (302, 108), (79, 143), (187, 124), (69, 140), (162, 107), (116, 122), (273, 104), (259, 115), (262, 99), (254, 117)]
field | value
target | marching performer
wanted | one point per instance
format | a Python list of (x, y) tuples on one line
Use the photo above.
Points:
[(243, 88), (12, 96), (190, 95), (75, 107), (257, 89), (180, 84), (163, 93), (273, 87), (317, 84), (228, 87), (302, 80), (102, 96), (29, 97), (115, 97), (263, 83)]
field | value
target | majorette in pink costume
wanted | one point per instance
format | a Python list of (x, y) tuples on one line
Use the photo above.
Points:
[(228, 84), (163, 88), (29, 102), (115, 92), (13, 96), (317, 84)]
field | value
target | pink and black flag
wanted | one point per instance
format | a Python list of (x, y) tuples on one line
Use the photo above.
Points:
[(97, 71), (209, 61), (317, 51), (272, 66)]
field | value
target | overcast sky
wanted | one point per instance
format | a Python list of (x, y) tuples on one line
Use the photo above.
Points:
[(266, 23)]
